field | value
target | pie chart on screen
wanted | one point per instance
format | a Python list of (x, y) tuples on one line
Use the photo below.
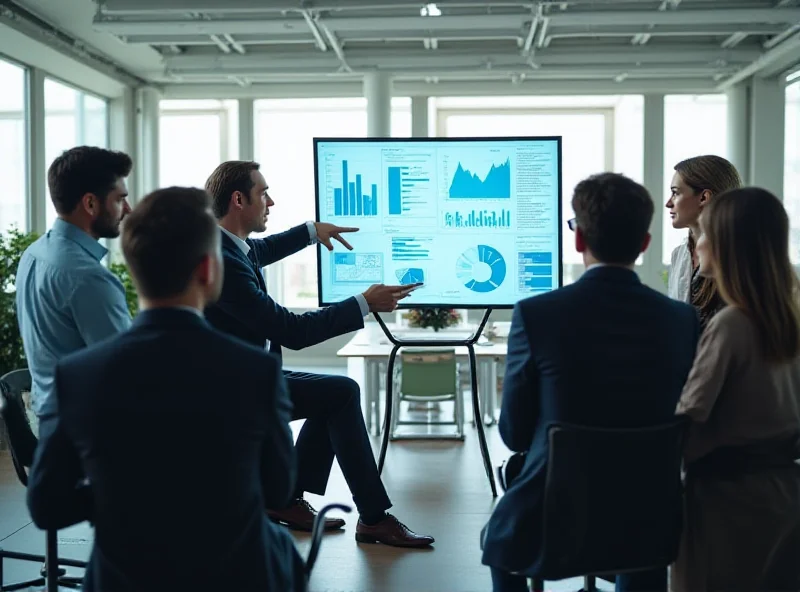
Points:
[(481, 268)]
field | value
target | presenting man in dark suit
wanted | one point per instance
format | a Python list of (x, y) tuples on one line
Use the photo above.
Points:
[(179, 452), (331, 405), (605, 351)]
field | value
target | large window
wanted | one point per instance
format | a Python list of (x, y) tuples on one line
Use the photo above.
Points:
[(72, 118), (284, 143), (13, 164), (194, 137), (693, 125), (791, 175), (587, 126)]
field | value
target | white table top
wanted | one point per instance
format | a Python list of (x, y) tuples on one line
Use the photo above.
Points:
[(372, 343)]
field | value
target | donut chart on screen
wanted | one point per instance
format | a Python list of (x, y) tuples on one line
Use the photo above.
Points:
[(481, 268)]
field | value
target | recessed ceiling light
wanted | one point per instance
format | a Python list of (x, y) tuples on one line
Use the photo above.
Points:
[(430, 9)]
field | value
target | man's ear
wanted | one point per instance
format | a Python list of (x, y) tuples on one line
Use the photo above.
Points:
[(204, 271), (646, 242), (580, 241), (91, 204)]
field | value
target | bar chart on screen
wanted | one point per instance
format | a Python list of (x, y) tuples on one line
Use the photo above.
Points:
[(354, 197)]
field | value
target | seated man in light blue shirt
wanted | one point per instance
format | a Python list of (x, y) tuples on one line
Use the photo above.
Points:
[(66, 298)]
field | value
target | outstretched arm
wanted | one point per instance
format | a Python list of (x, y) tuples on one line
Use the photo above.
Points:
[(243, 299)]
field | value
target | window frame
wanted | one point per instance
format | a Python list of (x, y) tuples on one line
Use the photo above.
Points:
[(275, 274), (27, 149), (224, 123)]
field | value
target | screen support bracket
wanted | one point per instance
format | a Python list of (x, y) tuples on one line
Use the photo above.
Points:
[(469, 343)]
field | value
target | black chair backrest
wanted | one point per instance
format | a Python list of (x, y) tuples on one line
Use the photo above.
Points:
[(17, 430), (613, 499)]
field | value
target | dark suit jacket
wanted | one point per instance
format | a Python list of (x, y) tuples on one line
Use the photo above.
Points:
[(605, 351), (182, 454), (246, 310)]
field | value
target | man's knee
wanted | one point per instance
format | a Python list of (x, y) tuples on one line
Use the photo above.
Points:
[(345, 389)]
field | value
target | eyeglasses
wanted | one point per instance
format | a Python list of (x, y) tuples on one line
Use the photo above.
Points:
[(572, 223)]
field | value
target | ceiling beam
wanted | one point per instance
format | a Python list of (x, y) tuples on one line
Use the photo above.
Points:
[(277, 6), (393, 25), (398, 60), (455, 88), (770, 63)]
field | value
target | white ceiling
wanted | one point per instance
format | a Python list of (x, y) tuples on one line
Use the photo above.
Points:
[(240, 43)]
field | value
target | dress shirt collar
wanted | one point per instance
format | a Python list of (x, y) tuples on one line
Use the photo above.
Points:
[(243, 246), (71, 232)]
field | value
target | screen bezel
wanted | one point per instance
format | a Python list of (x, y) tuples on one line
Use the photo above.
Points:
[(429, 140)]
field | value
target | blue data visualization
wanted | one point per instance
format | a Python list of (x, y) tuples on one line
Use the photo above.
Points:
[(495, 185), (481, 268), (350, 200), (475, 221), (410, 275)]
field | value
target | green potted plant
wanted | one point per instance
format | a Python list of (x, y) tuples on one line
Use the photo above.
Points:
[(436, 318), (12, 244), (121, 271)]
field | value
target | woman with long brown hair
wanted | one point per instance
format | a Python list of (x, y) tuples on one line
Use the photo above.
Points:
[(695, 182), (742, 519)]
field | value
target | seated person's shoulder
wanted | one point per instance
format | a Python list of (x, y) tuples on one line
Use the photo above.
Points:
[(730, 321)]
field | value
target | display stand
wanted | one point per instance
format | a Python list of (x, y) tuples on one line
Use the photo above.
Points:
[(469, 343)]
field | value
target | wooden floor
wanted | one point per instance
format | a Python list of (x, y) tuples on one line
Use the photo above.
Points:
[(437, 488)]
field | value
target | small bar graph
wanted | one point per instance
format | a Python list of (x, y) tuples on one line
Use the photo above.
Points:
[(410, 248), (478, 219), (405, 196), (535, 271), (348, 200)]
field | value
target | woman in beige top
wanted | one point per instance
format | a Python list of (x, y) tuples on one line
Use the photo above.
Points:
[(742, 519)]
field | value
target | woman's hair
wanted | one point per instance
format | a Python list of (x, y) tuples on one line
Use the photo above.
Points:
[(717, 175), (748, 233)]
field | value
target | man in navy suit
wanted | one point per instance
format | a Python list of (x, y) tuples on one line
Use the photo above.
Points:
[(605, 351), (331, 405), (160, 439)]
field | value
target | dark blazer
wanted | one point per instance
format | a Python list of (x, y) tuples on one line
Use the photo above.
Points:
[(246, 310), (182, 454), (605, 351)]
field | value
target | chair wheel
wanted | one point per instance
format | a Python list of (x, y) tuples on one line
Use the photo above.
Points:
[(59, 572)]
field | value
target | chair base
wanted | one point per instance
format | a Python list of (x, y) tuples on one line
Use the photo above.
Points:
[(589, 585), (62, 579)]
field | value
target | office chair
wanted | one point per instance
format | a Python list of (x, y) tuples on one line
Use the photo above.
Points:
[(428, 376), (22, 445), (613, 502)]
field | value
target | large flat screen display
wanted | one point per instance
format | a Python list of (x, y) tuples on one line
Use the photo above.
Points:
[(477, 220)]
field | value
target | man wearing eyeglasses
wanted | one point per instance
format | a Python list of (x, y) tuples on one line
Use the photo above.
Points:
[(606, 351)]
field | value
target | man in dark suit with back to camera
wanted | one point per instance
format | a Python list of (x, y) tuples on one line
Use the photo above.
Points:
[(605, 351), (180, 452), (331, 405)]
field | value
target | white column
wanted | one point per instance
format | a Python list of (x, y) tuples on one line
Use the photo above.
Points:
[(654, 182), (419, 117), (37, 171), (739, 128), (122, 137), (247, 143), (147, 127), (767, 115), (378, 92)]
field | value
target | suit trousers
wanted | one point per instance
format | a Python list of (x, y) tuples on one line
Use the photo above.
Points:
[(334, 426)]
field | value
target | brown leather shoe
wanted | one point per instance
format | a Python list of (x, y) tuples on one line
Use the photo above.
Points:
[(390, 531), (300, 516)]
